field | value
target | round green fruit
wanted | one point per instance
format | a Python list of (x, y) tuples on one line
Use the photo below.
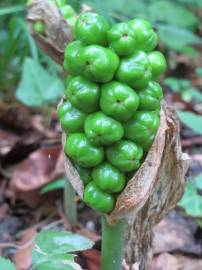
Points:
[(71, 119), (100, 64), (39, 27), (135, 70), (102, 129), (122, 39), (118, 100), (98, 199), (125, 155), (92, 28), (82, 152), (150, 97), (83, 94), (67, 12), (146, 37), (142, 127), (108, 178), (158, 64), (73, 61)]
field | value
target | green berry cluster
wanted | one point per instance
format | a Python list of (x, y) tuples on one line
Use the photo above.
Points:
[(111, 111)]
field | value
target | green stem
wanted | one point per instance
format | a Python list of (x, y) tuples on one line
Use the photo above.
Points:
[(112, 244), (70, 203)]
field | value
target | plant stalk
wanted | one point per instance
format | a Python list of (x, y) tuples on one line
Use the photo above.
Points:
[(70, 203), (112, 244)]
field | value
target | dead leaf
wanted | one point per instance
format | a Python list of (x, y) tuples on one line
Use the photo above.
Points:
[(92, 258), (23, 255), (7, 141), (189, 263), (166, 262), (40, 126), (38, 169), (173, 233), (15, 116)]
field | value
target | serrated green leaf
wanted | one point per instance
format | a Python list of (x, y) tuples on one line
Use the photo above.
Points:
[(37, 87), (198, 181), (177, 38), (192, 120), (54, 242), (41, 261), (6, 264), (56, 184), (191, 201)]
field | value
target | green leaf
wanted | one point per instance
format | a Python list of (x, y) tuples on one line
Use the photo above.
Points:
[(192, 120), (199, 72), (6, 264), (121, 10), (57, 184), (12, 9), (191, 201), (173, 14), (177, 38), (189, 51), (173, 83), (37, 87), (192, 3), (198, 181), (32, 45), (57, 242), (183, 87), (41, 261), (196, 94)]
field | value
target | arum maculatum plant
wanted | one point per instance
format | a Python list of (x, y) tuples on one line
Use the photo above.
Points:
[(110, 115), (120, 139)]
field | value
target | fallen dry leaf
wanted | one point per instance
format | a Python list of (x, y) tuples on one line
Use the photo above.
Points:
[(189, 263), (166, 262), (23, 255), (92, 258), (38, 169), (173, 233), (7, 141), (39, 125), (15, 147), (15, 115)]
